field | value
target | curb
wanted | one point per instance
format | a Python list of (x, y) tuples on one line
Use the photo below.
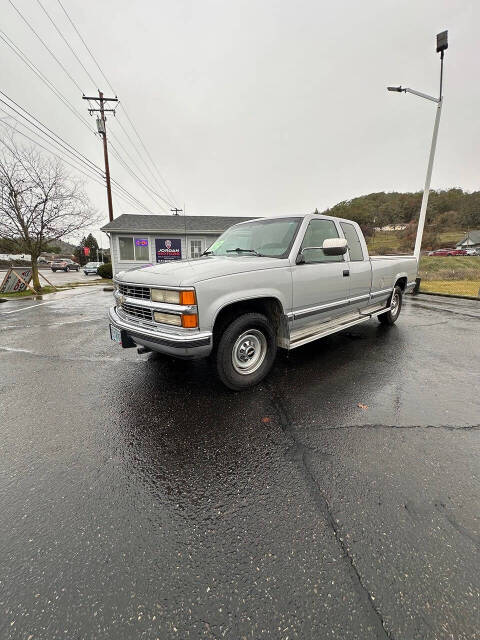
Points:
[(447, 295)]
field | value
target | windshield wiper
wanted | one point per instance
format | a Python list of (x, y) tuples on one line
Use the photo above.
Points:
[(239, 250), (207, 253)]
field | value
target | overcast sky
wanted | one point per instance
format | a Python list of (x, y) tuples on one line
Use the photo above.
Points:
[(262, 107)]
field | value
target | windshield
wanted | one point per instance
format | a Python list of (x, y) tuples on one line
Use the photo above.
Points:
[(92, 264), (271, 238)]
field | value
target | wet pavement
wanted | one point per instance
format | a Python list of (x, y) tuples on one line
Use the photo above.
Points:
[(141, 499), (60, 277)]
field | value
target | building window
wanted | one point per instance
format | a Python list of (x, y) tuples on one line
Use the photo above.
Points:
[(195, 248), (133, 249)]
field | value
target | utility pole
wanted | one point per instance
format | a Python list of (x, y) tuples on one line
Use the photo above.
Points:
[(102, 130), (176, 211)]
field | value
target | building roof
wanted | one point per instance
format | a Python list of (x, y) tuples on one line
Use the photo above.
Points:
[(129, 222), (472, 236)]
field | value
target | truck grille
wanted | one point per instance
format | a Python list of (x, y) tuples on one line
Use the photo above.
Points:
[(134, 291), (141, 313)]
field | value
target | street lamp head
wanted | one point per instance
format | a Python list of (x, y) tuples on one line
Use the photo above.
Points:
[(442, 41), (399, 89)]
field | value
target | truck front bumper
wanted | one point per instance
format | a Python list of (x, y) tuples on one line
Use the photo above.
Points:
[(179, 344)]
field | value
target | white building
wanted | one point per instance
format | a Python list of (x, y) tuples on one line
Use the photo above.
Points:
[(147, 239)]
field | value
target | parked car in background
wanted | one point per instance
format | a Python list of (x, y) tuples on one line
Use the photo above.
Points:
[(65, 264), (91, 267), (472, 252), (448, 252)]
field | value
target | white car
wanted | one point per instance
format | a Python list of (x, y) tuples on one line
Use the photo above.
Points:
[(472, 252)]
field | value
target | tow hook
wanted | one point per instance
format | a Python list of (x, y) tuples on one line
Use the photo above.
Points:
[(141, 350)]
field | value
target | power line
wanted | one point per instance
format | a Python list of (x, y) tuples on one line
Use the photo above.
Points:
[(35, 142), (66, 42), (165, 186), (52, 87), (49, 84), (24, 58), (86, 47), (148, 153), (45, 45), (146, 187), (131, 160), (142, 157), (119, 190), (68, 147)]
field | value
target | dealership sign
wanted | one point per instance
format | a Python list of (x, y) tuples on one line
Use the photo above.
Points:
[(168, 249), (15, 282)]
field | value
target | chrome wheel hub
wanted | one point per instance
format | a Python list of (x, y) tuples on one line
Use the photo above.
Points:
[(249, 351), (394, 305)]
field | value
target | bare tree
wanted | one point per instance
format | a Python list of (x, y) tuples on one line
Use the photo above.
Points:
[(39, 201)]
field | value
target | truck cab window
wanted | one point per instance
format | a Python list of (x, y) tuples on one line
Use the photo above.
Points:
[(354, 244), (318, 231)]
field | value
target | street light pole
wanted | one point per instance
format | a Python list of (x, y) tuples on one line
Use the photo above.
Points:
[(426, 189), (442, 45)]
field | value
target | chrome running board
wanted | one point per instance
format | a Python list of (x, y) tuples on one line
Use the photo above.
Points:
[(304, 336)]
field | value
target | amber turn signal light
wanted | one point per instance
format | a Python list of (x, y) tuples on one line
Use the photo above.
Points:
[(187, 297), (190, 321)]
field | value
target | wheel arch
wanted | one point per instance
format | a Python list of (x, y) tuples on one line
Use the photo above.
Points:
[(401, 281), (269, 306)]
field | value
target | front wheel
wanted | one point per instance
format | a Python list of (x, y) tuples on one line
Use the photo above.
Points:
[(391, 316), (67, 269), (246, 351)]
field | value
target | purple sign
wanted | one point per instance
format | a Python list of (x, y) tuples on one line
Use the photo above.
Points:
[(168, 249), (141, 242)]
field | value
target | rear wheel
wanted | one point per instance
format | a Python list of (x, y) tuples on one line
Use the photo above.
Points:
[(67, 269), (391, 316), (246, 351)]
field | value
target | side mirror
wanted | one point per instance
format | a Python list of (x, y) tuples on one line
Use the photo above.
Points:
[(330, 247), (335, 246)]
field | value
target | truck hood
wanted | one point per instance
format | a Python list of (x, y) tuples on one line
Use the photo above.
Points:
[(188, 272)]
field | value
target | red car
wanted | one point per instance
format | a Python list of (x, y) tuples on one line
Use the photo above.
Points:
[(448, 252)]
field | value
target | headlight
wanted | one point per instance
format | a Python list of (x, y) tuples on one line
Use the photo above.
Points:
[(173, 297), (166, 295), (168, 318)]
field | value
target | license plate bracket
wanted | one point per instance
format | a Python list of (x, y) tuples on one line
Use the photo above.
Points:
[(115, 334)]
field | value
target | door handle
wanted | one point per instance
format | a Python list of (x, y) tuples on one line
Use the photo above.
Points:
[(346, 273)]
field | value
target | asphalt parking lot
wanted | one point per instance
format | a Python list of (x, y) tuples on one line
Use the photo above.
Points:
[(141, 499)]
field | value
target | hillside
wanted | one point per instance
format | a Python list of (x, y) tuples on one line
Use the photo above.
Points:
[(453, 210)]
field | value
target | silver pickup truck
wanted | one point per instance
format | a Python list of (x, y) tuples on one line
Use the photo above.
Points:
[(264, 284)]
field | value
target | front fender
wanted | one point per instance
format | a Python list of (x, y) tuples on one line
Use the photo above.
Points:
[(216, 294)]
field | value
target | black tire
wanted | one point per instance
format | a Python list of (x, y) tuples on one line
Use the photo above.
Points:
[(54, 270), (236, 350), (67, 269), (391, 316)]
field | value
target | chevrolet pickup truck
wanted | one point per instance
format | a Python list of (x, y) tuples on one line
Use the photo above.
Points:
[(264, 284)]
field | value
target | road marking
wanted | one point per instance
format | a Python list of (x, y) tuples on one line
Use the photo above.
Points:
[(83, 293), (25, 308)]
